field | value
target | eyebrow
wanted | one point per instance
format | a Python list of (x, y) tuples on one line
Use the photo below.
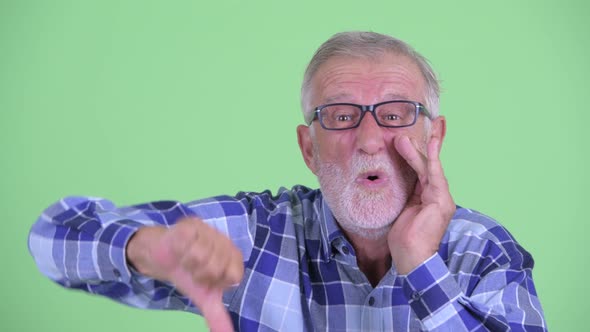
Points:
[(395, 96), (337, 98)]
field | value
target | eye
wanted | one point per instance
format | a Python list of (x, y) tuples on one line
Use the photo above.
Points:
[(343, 113), (391, 117), (396, 113), (340, 116), (343, 117)]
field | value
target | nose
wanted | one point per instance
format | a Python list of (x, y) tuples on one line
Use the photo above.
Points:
[(369, 135)]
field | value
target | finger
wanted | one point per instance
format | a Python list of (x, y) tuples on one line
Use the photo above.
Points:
[(230, 264), (199, 247), (435, 171), (201, 263), (213, 273), (433, 151), (412, 156), (204, 261), (416, 197), (209, 301), (184, 234), (170, 249), (213, 261), (235, 271), (216, 315), (437, 179)]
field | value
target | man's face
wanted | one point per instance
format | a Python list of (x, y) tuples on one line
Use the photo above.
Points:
[(364, 180)]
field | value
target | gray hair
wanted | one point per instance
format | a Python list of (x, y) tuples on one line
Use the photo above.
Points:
[(370, 45)]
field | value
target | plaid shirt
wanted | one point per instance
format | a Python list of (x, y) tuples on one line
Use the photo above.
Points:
[(301, 273)]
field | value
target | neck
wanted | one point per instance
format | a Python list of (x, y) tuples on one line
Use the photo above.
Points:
[(373, 256)]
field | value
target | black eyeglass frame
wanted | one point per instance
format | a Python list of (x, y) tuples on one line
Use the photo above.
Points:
[(418, 107)]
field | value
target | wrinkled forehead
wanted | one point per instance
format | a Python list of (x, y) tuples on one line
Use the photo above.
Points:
[(346, 78)]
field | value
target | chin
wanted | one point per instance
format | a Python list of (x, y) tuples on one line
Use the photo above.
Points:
[(367, 214), (365, 233), (367, 210)]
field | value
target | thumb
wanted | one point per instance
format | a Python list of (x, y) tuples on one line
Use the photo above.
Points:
[(209, 301), (416, 196), (215, 314)]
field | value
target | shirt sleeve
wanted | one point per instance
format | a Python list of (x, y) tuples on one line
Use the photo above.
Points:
[(79, 242), (498, 294)]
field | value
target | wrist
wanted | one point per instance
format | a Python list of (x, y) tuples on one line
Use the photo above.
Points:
[(407, 262), (138, 250)]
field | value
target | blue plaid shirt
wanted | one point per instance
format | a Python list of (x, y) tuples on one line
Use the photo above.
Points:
[(301, 272)]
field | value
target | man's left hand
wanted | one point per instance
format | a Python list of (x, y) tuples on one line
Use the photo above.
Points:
[(416, 234)]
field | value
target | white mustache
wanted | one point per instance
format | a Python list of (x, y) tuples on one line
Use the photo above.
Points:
[(363, 164)]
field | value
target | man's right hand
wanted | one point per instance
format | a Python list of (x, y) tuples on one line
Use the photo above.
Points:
[(197, 259)]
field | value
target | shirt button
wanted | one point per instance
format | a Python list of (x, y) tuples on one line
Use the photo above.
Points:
[(345, 250), (416, 296), (371, 301), (117, 273)]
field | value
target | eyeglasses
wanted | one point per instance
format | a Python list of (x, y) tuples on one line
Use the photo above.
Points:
[(390, 114)]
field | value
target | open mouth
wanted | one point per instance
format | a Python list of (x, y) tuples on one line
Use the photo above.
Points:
[(371, 177)]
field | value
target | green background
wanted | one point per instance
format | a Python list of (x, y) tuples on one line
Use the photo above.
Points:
[(146, 100)]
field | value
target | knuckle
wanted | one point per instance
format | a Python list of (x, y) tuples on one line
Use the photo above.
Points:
[(178, 246), (235, 273), (188, 263), (198, 277), (215, 272), (193, 257)]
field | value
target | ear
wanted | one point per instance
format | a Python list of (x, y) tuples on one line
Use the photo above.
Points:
[(306, 146), (439, 129)]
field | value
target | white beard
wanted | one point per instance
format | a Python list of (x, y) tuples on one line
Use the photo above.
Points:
[(366, 212)]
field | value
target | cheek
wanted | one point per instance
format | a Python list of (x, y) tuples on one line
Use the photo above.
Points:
[(336, 149), (415, 133), (398, 161)]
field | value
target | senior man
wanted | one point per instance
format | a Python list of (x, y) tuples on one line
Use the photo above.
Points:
[(380, 247)]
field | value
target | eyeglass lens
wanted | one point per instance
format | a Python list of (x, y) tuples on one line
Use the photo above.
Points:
[(342, 116)]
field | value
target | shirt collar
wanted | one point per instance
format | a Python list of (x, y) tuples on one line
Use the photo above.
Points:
[(330, 231)]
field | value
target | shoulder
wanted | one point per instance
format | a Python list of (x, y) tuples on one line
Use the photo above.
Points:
[(260, 206), (472, 233), (283, 197), (471, 222), (295, 199)]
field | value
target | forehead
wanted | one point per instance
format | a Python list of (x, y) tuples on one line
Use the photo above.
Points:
[(368, 81)]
